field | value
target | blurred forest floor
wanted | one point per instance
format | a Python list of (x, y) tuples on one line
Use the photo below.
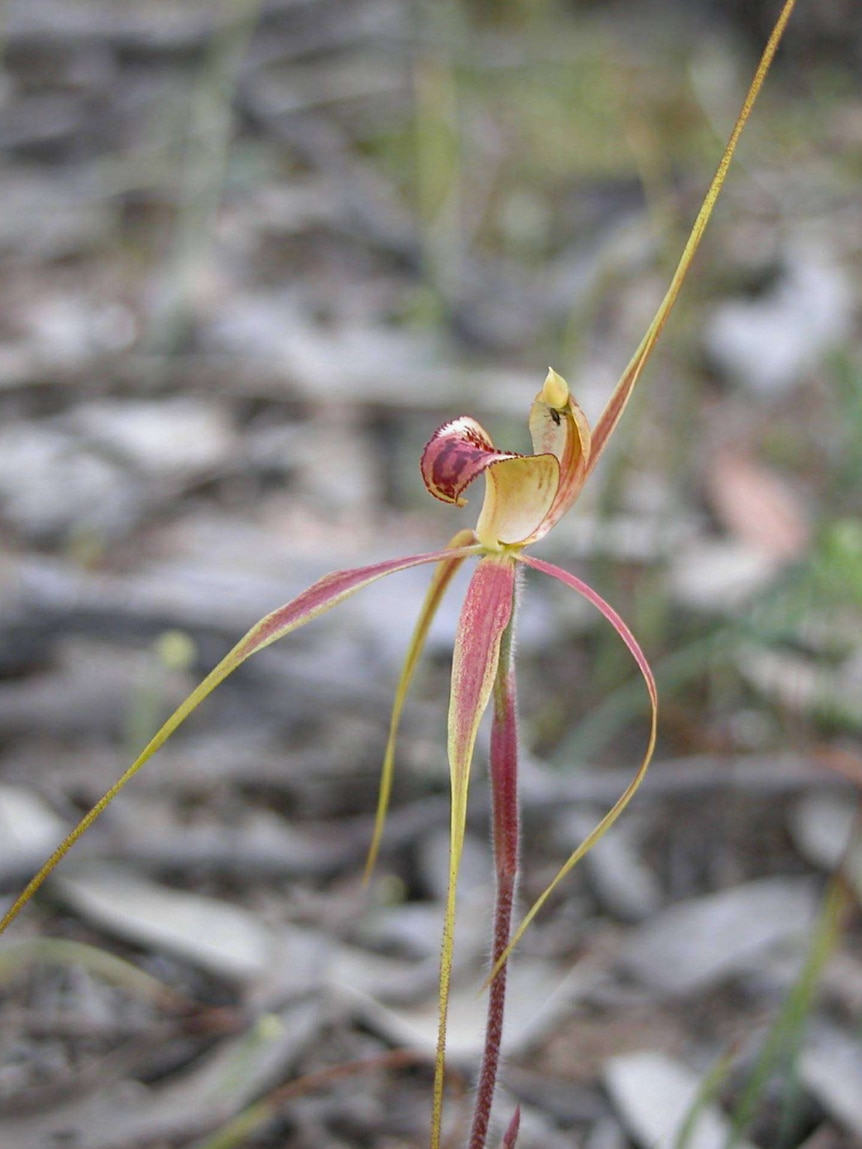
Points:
[(254, 252)]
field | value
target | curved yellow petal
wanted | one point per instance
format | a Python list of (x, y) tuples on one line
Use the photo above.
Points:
[(519, 495)]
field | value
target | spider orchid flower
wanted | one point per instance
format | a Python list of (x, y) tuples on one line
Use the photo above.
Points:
[(525, 496)]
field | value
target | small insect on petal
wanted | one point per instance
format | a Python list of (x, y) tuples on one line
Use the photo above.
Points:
[(560, 428)]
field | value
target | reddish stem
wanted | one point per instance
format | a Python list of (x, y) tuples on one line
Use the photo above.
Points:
[(506, 835)]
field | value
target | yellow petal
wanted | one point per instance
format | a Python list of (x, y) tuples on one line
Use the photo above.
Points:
[(518, 496)]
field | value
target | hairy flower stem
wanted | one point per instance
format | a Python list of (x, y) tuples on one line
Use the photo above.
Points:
[(506, 833)]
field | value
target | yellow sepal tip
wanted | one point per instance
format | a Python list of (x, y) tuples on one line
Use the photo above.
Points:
[(555, 390)]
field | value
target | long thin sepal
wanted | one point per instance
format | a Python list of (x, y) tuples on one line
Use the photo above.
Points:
[(484, 617), (322, 596), (443, 575), (617, 402), (640, 658), (506, 835)]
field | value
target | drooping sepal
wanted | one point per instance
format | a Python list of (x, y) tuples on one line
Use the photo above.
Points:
[(322, 596), (485, 615), (611, 816)]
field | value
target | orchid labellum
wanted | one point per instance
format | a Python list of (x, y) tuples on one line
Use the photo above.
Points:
[(525, 496)]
